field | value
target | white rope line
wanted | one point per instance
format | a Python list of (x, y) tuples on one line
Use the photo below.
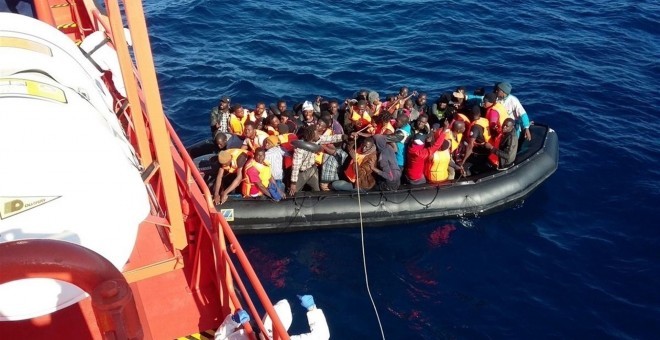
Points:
[(364, 258)]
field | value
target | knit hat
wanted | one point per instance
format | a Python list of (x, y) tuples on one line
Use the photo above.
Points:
[(505, 87), (307, 106), (490, 97), (224, 157)]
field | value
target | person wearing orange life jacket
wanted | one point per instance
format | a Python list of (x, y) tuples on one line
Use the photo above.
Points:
[(253, 138), (258, 180), (495, 114), (231, 162), (364, 179), (360, 117), (475, 151), (383, 124), (237, 120), (504, 147)]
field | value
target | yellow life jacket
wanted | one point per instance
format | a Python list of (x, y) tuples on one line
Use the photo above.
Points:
[(455, 142), (318, 158), (437, 166), (233, 165), (264, 178), (483, 122), (237, 125)]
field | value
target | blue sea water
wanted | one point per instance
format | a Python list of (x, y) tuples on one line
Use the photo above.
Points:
[(579, 259)]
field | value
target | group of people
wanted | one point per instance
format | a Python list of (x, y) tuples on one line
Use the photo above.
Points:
[(364, 142)]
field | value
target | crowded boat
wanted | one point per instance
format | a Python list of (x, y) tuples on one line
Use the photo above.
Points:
[(363, 143)]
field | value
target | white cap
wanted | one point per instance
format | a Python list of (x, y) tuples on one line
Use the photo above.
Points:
[(307, 106)]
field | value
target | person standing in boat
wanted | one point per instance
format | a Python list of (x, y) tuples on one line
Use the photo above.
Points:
[(504, 147), (304, 170), (514, 109), (220, 116), (231, 164), (258, 180), (387, 169)]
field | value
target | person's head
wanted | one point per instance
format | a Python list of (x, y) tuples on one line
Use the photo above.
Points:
[(458, 126), (220, 140), (508, 125), (362, 95), (224, 157), (285, 116), (421, 99), (250, 129), (401, 121), (260, 155), (475, 113), (503, 89), (403, 92), (368, 144), (422, 121), (283, 128), (457, 97), (326, 118), (281, 105), (333, 108), (321, 126), (260, 109), (408, 104), (362, 106), (271, 142), (309, 133), (273, 121), (308, 111), (224, 102), (489, 100), (238, 111)]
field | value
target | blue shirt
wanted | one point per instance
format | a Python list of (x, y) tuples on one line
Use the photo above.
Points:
[(401, 146)]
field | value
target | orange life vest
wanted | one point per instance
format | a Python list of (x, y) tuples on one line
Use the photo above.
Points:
[(233, 164), (350, 170), (493, 158), (250, 189)]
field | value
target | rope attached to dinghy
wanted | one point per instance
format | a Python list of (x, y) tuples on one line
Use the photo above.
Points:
[(364, 258)]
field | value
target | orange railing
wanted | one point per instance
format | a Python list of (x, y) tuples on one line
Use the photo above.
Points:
[(177, 183)]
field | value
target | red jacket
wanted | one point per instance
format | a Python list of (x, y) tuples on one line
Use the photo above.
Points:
[(417, 156)]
